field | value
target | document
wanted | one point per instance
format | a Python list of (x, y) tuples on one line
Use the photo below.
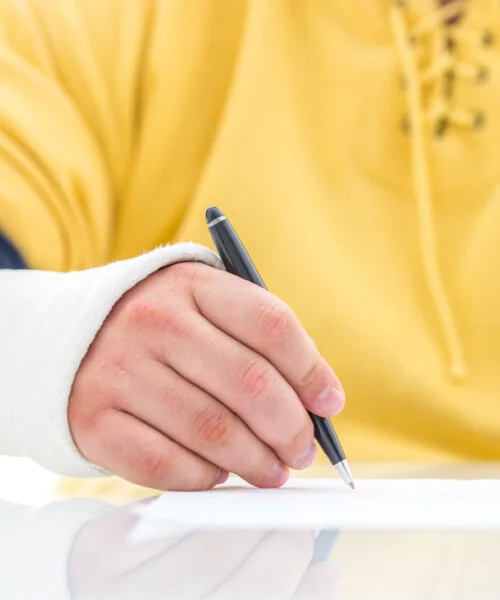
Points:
[(376, 504)]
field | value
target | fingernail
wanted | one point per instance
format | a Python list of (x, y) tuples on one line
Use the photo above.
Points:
[(331, 400), (279, 476), (222, 476), (307, 458)]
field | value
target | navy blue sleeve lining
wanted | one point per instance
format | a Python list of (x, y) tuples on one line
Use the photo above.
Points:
[(10, 258)]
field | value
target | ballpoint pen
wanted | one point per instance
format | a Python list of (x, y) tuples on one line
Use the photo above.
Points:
[(237, 261)]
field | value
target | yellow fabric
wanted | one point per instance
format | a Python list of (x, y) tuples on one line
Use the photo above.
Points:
[(122, 120)]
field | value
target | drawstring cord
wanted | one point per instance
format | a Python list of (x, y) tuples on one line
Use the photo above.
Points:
[(440, 115)]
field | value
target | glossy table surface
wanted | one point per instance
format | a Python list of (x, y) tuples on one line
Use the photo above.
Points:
[(78, 547)]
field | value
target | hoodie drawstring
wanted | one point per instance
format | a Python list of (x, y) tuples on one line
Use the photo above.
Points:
[(438, 116)]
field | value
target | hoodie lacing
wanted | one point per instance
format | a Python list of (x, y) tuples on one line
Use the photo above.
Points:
[(435, 83)]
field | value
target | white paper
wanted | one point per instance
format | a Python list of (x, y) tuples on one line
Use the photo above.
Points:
[(376, 504)]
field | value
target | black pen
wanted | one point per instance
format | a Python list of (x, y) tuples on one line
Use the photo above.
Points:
[(237, 261)]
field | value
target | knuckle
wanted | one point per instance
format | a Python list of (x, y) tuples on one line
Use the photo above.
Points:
[(203, 481), (257, 379), (88, 425), (201, 279), (311, 374), (89, 402), (82, 416), (144, 314), (213, 426), (184, 272), (275, 323), (154, 466), (304, 436)]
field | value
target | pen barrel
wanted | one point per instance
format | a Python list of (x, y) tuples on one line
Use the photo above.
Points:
[(327, 439), (233, 253)]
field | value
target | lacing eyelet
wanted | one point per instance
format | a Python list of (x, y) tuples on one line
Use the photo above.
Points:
[(487, 38), (406, 125), (482, 74), (441, 126), (479, 119), (449, 78)]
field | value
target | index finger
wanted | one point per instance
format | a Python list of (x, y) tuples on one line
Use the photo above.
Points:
[(258, 319)]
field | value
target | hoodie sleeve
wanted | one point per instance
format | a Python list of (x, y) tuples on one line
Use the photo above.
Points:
[(58, 180), (9, 256)]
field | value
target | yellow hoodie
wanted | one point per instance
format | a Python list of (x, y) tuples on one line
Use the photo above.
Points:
[(354, 144)]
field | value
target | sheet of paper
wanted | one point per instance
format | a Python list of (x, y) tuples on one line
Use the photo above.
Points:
[(325, 503)]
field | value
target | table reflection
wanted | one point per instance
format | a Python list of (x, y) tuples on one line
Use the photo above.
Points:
[(82, 550), (199, 564)]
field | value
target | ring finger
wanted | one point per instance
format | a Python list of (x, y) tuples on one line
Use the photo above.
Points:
[(194, 419)]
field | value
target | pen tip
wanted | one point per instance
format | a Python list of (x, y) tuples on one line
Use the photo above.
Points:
[(213, 213), (351, 485)]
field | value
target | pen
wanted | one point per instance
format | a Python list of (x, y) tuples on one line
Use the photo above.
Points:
[(237, 261)]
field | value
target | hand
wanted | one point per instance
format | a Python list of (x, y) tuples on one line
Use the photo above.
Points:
[(197, 373), (103, 563)]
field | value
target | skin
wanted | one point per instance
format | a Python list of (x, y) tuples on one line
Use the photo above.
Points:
[(196, 374)]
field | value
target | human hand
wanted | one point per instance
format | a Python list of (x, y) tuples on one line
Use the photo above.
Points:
[(197, 373)]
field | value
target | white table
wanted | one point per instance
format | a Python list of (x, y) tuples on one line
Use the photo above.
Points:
[(78, 549)]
